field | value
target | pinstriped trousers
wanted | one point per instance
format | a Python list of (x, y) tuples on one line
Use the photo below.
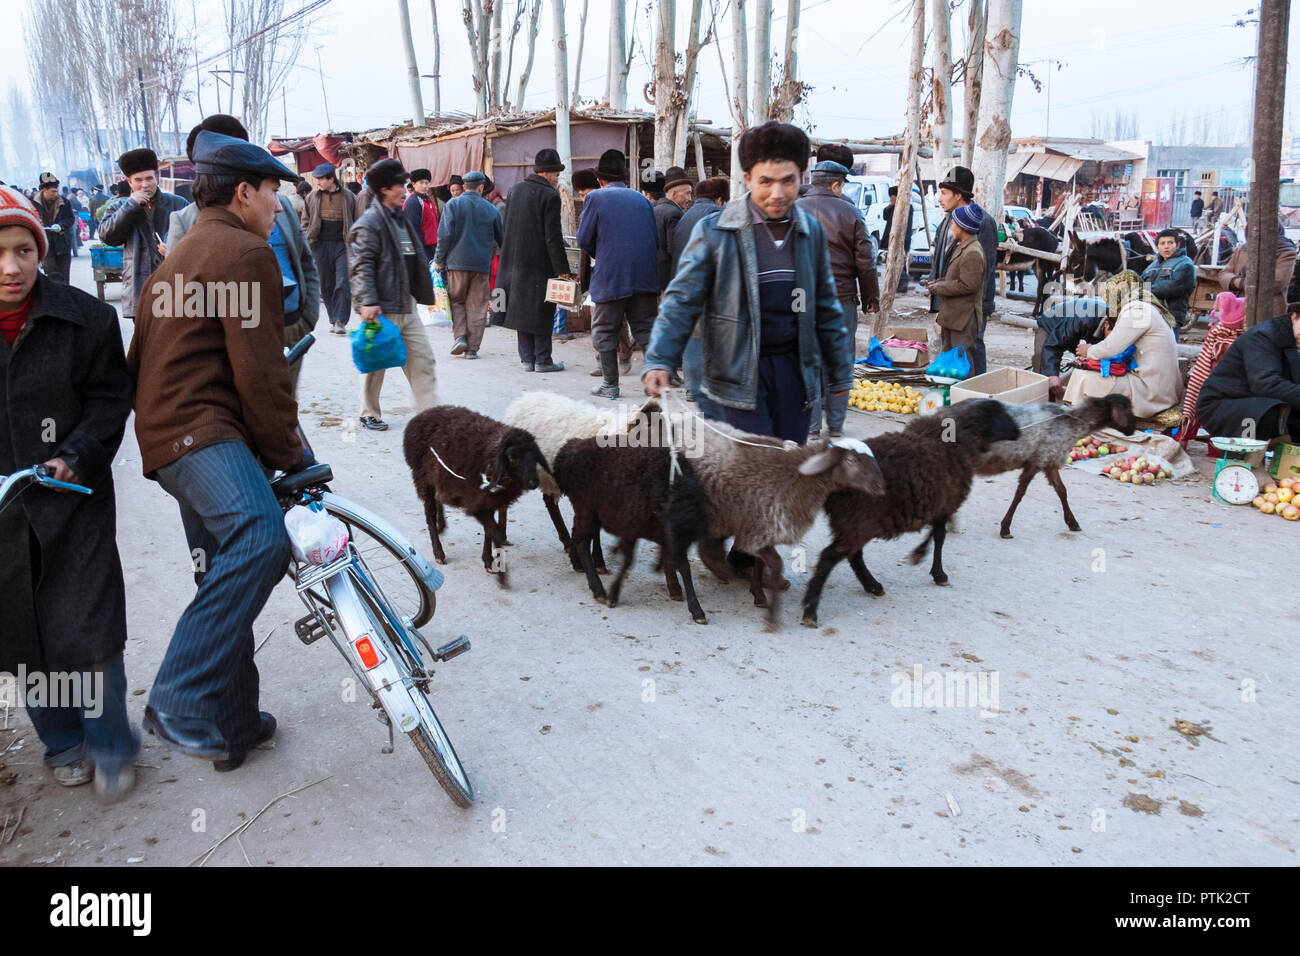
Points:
[(236, 535)]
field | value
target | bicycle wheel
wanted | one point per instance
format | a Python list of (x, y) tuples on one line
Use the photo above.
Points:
[(385, 559)]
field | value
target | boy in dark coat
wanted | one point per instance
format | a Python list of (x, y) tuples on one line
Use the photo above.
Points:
[(66, 397)]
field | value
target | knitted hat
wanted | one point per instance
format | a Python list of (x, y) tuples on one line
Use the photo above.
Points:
[(773, 141), (676, 176), (137, 161), (1231, 310), (612, 166), (385, 173), (959, 180), (547, 161), (970, 217), (17, 210)]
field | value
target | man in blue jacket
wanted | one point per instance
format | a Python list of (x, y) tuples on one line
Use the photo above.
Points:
[(757, 279), (469, 231), (619, 232), (1172, 277)]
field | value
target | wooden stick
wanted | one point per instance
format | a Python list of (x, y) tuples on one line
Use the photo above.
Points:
[(207, 854)]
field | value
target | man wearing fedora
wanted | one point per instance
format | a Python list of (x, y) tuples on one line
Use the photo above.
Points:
[(669, 210), (140, 224), (619, 232), (60, 222), (329, 212), (214, 407), (532, 252), (961, 290), (470, 231), (956, 191)]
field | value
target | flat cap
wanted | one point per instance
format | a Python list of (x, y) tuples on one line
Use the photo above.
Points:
[(221, 155), (473, 178), (323, 170), (831, 168)]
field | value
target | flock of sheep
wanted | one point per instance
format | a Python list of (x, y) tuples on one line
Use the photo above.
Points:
[(759, 491)]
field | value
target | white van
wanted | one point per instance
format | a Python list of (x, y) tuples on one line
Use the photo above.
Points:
[(871, 195)]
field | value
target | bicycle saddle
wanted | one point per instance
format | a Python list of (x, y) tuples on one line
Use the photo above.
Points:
[(292, 484)]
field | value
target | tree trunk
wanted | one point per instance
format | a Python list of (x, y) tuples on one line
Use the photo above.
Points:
[(565, 185), (665, 84), (1001, 58), (690, 72), (783, 108), (896, 258), (739, 92), (762, 98), (412, 71), (498, 95), (437, 60), (974, 81), (484, 52), (534, 15), (942, 113), (472, 14), (1261, 234), (577, 66), (616, 68)]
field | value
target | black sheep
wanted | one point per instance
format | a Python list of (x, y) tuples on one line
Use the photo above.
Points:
[(626, 490), (472, 446), (927, 470)]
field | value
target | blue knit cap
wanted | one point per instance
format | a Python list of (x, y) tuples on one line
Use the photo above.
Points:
[(970, 217)]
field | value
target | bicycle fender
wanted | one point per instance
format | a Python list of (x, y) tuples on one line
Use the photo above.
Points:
[(431, 576)]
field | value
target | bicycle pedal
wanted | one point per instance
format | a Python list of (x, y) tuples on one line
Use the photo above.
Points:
[(309, 629), (452, 649)]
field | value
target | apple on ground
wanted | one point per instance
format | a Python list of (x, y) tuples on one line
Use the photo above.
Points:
[(1267, 507)]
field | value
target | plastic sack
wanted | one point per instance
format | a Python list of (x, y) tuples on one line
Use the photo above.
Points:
[(561, 317), (317, 537), (876, 355), (440, 311), (954, 363), (378, 345)]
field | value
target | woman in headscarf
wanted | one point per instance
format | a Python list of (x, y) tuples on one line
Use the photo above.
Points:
[(1233, 276), (1139, 333)]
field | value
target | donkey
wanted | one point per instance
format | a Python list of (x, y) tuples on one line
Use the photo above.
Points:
[(1041, 240)]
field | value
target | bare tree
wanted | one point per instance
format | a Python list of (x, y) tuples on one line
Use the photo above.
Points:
[(492, 10), (534, 14), (618, 56), (562, 145), (437, 60), (973, 77), (412, 70), (688, 81), (896, 259), (21, 135), (941, 116), (577, 66), (789, 92), (475, 29), (739, 99), (269, 48), (665, 83), (762, 97), (1001, 52)]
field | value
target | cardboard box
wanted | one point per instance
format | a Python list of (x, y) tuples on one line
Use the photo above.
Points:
[(1286, 462), (1012, 385), (908, 358), (562, 292)]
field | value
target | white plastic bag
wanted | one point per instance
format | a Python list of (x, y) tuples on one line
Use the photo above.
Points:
[(317, 536)]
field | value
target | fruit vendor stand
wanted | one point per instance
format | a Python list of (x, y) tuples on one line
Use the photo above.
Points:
[(106, 264)]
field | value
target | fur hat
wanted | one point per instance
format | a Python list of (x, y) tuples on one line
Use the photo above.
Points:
[(455, 181), (773, 141), (418, 174), (17, 210), (836, 153), (547, 161), (676, 176), (385, 173), (652, 181), (959, 180), (612, 166), (585, 179), (137, 161), (716, 187)]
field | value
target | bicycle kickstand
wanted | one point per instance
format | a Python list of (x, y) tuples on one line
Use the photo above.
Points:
[(383, 719)]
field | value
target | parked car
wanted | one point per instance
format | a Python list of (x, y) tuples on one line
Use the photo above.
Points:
[(871, 195)]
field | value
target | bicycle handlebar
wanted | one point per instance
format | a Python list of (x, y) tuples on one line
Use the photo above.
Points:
[(12, 485)]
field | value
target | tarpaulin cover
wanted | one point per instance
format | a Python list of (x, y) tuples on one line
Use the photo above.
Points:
[(455, 155), (513, 153), (309, 153)]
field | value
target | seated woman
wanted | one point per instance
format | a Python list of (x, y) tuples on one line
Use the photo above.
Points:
[(1153, 382), (1254, 391)]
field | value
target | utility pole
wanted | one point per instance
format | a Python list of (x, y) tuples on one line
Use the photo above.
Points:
[(1266, 158), (63, 141), (144, 107), (412, 71), (321, 72)]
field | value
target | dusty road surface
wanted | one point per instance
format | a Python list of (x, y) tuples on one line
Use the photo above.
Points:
[(1138, 704)]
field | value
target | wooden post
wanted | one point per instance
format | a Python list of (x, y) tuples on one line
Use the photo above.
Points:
[(1266, 153)]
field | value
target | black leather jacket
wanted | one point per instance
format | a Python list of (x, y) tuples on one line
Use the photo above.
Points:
[(378, 273)]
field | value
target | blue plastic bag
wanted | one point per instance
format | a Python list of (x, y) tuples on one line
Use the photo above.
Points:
[(876, 355), (378, 345), (954, 363), (561, 319)]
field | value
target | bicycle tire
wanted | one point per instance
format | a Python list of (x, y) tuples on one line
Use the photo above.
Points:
[(428, 747), (416, 602)]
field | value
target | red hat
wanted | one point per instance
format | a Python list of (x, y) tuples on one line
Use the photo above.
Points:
[(17, 210)]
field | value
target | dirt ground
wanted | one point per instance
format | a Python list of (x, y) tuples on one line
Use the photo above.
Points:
[(1145, 706)]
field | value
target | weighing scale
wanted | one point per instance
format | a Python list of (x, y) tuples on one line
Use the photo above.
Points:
[(1234, 482), (937, 398)]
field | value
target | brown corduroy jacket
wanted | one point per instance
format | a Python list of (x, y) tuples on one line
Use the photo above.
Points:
[(962, 288), (208, 349)]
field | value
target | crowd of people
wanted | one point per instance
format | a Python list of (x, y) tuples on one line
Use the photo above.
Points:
[(753, 300)]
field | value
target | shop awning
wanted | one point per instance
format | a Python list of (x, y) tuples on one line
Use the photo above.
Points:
[(1046, 165)]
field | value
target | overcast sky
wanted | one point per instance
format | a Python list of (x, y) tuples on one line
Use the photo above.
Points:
[(1155, 59)]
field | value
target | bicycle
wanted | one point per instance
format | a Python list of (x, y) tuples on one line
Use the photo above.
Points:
[(377, 633), (11, 486)]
